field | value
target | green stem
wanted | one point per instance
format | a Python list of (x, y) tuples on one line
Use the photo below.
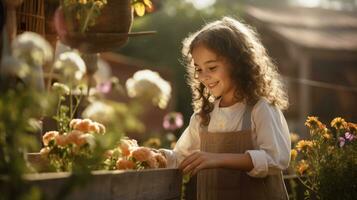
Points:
[(71, 113), (58, 113), (87, 19)]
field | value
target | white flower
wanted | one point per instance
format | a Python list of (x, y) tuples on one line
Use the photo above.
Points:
[(70, 66), (32, 48), (149, 85), (100, 112), (11, 66)]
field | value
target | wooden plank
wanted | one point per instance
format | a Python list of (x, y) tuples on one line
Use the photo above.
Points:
[(158, 184)]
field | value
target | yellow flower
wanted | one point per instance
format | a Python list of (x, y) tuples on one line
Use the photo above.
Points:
[(327, 136), (302, 167), (153, 143), (339, 123), (294, 137), (293, 154), (312, 122), (304, 145), (82, 1)]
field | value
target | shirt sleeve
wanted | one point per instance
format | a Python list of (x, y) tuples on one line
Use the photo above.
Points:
[(272, 139), (188, 143)]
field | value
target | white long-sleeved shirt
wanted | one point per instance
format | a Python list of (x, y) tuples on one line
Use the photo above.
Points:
[(270, 136)]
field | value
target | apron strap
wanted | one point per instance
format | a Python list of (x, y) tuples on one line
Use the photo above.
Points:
[(247, 117)]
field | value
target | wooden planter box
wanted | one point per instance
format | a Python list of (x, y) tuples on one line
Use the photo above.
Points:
[(106, 185), (155, 184)]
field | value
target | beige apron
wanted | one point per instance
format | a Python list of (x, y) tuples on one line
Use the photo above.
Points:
[(226, 184)]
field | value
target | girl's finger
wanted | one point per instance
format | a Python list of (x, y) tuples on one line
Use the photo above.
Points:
[(188, 160), (192, 165)]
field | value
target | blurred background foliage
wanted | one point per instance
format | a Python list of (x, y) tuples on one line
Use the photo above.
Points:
[(174, 20)]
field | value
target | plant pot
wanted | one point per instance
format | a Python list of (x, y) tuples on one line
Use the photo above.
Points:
[(110, 31)]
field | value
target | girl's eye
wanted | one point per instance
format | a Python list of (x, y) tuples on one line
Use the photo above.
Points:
[(198, 70), (212, 68)]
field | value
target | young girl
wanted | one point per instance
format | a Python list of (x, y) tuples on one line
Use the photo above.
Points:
[(238, 140)]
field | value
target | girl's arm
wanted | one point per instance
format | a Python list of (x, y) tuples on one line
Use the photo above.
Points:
[(202, 160), (188, 143)]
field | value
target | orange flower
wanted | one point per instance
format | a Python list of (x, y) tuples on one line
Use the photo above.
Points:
[(125, 164), (141, 154), (83, 125), (161, 160), (352, 127), (61, 140), (48, 136), (73, 123), (93, 128), (302, 167), (152, 162), (126, 146), (101, 128)]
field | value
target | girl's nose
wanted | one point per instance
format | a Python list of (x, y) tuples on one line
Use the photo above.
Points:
[(204, 76)]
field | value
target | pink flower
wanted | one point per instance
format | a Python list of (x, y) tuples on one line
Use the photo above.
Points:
[(125, 164), (104, 87), (349, 136), (142, 154), (173, 121), (48, 136), (342, 141)]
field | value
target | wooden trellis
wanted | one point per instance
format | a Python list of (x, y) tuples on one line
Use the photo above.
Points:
[(31, 16)]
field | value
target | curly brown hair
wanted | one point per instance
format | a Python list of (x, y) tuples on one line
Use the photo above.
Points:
[(253, 71)]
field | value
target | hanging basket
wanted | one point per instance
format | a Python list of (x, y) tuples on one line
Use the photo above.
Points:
[(110, 31)]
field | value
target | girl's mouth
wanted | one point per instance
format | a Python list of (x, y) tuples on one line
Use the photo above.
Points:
[(212, 85)]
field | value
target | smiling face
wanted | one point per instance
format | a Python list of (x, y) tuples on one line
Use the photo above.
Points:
[(213, 72)]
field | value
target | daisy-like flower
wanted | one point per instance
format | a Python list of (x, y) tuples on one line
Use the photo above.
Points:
[(70, 66), (304, 145), (339, 123), (149, 85), (313, 123)]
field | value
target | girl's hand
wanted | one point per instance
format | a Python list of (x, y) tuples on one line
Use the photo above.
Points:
[(199, 160)]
